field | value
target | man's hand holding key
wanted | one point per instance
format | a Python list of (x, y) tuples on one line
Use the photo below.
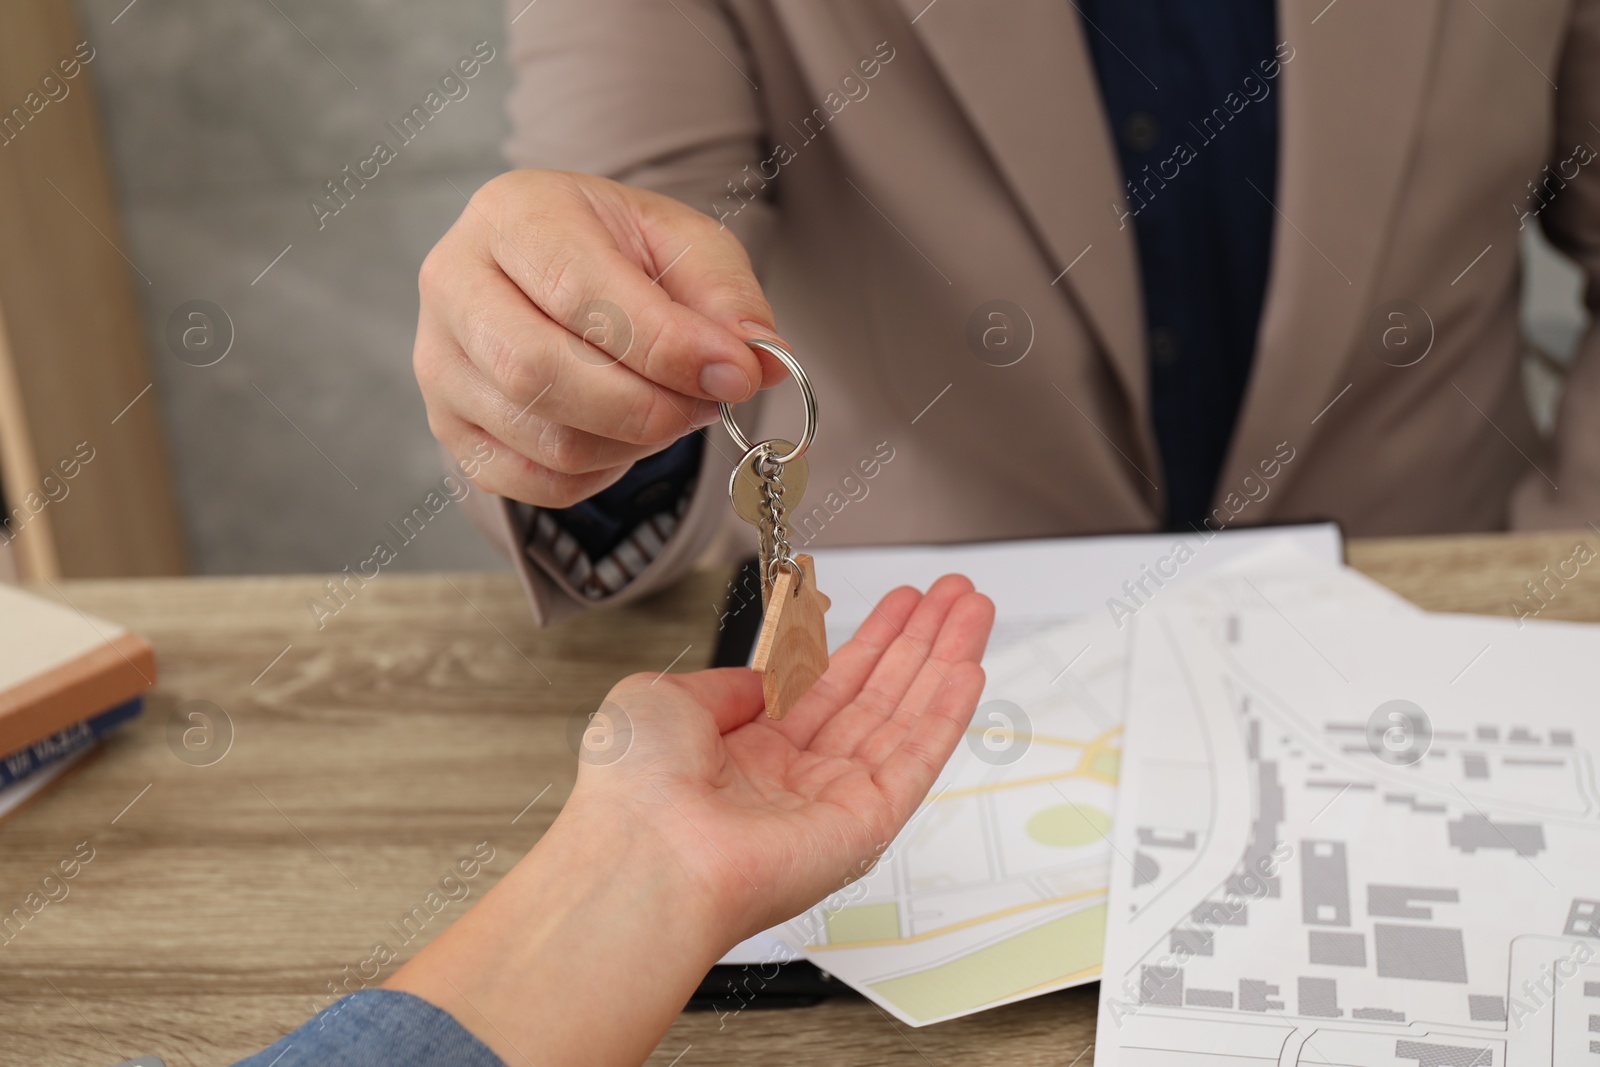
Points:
[(576, 326)]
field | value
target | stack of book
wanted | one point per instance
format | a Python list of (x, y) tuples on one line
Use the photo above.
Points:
[(66, 680)]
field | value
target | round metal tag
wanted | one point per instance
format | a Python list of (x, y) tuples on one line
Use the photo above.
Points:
[(744, 488)]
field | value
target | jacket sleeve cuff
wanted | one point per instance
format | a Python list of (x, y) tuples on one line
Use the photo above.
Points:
[(556, 598)]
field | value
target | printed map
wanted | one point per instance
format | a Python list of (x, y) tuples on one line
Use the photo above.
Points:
[(1354, 834), (997, 889)]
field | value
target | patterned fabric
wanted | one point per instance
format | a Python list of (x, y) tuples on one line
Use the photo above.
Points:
[(605, 542)]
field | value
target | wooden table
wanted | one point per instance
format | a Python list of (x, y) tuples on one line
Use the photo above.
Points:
[(427, 716)]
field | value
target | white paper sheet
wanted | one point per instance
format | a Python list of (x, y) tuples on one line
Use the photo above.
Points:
[(1289, 890), (1042, 583)]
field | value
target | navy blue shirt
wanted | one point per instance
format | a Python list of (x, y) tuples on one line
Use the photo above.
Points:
[(1190, 89), (651, 486)]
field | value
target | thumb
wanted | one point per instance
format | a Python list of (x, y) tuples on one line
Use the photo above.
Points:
[(705, 268), (732, 694)]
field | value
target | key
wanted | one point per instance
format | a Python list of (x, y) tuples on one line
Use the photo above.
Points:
[(744, 488), (792, 651), (769, 479), (748, 490)]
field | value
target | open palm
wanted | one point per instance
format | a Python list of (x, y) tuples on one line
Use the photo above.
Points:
[(771, 816)]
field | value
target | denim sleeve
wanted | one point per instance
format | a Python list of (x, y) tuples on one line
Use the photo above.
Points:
[(378, 1028)]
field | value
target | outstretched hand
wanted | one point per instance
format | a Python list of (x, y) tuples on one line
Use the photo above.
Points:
[(696, 822), (768, 817)]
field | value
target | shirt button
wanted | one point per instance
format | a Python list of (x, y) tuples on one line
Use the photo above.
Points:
[(1141, 131), (1164, 347)]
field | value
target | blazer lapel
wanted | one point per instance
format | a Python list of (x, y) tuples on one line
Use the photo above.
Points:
[(1024, 77), (1352, 97)]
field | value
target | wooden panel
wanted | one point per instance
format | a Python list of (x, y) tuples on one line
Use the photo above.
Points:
[(407, 730), (72, 355)]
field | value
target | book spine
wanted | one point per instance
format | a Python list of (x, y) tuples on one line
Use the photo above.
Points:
[(75, 738)]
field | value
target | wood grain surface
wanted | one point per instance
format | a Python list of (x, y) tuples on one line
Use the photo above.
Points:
[(426, 717)]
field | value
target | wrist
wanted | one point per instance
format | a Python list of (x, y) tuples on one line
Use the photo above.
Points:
[(626, 863), (586, 950)]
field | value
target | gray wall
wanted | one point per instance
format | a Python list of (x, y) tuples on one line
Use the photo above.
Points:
[(223, 121)]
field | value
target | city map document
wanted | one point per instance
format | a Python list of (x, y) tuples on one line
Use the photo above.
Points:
[(1353, 834), (996, 890)]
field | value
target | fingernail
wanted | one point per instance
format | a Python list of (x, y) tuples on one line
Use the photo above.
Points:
[(705, 413), (760, 330), (725, 382)]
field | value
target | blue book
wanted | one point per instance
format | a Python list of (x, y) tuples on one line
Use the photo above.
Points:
[(73, 739)]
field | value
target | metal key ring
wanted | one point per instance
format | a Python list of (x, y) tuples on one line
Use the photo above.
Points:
[(782, 355)]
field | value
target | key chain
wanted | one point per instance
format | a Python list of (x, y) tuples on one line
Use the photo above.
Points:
[(770, 478)]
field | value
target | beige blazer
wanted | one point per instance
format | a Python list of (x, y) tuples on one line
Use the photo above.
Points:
[(896, 168)]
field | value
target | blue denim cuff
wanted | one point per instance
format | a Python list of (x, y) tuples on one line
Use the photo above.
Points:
[(378, 1028)]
